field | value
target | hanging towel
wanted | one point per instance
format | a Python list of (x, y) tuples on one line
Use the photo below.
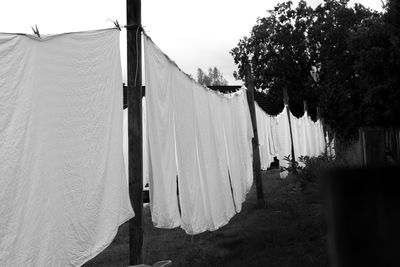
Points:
[(63, 191)]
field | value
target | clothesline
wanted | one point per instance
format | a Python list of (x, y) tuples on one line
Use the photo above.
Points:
[(63, 147)]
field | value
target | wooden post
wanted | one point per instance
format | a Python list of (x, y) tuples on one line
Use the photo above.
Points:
[(256, 149), (286, 102), (134, 62)]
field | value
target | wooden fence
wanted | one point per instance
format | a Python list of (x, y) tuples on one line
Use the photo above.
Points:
[(379, 146)]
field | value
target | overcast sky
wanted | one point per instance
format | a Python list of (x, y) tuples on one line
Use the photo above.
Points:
[(192, 33)]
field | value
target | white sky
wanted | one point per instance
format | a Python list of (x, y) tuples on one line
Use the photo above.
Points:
[(192, 33)]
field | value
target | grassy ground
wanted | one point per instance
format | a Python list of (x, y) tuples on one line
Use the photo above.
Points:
[(290, 231)]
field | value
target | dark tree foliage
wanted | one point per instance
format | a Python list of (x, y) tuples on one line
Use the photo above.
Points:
[(336, 92), (343, 59), (277, 51), (375, 45)]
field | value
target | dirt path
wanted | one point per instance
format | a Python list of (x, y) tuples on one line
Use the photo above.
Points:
[(290, 231)]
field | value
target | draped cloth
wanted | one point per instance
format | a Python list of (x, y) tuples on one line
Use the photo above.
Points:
[(63, 191), (199, 153), (275, 140), (267, 136), (284, 140)]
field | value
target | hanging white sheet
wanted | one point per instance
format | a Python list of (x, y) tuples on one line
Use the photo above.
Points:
[(297, 135), (161, 135), (63, 191), (321, 137), (262, 130), (306, 149), (274, 137), (285, 143), (199, 147), (267, 136), (239, 147)]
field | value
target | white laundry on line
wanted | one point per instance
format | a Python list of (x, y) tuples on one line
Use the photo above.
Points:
[(284, 140), (199, 143), (63, 191), (267, 135), (275, 140)]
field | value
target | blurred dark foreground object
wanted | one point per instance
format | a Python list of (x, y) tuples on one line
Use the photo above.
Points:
[(363, 216)]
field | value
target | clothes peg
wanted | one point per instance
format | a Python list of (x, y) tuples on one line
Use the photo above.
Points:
[(117, 24), (36, 31)]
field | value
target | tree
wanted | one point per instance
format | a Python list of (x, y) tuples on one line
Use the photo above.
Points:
[(309, 52), (277, 51), (214, 77), (338, 92), (375, 45)]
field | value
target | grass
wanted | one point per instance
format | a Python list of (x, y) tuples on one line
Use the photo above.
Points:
[(290, 231)]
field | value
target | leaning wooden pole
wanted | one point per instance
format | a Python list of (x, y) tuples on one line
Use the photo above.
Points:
[(286, 102), (256, 150), (134, 90)]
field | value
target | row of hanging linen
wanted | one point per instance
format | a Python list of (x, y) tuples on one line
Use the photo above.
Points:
[(63, 191), (199, 148), (275, 140)]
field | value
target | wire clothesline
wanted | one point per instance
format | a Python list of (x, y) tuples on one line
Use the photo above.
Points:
[(136, 27)]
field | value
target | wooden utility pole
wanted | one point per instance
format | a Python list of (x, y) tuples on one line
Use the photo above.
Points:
[(134, 91), (286, 102), (256, 149)]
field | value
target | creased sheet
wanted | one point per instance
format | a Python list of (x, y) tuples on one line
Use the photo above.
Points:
[(200, 162), (63, 191)]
